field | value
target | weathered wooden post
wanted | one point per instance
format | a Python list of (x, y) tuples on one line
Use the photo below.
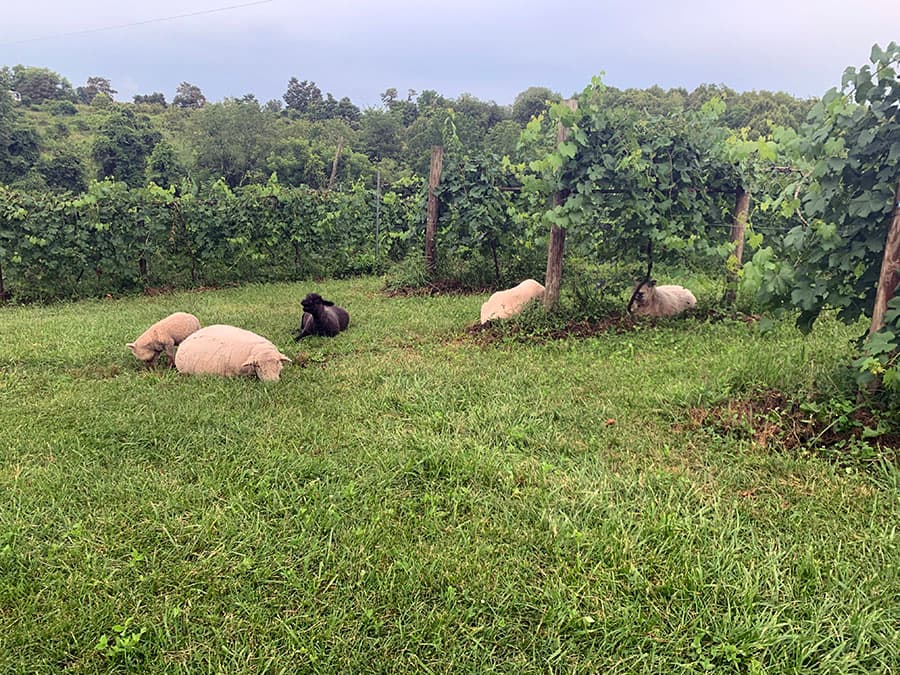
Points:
[(334, 164), (434, 177), (738, 231), (377, 217), (890, 265), (557, 245)]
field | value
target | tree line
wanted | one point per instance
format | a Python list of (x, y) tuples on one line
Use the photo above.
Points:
[(60, 138)]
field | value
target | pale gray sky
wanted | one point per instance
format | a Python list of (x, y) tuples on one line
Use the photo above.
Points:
[(491, 49)]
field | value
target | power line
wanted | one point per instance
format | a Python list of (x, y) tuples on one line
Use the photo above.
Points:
[(137, 23)]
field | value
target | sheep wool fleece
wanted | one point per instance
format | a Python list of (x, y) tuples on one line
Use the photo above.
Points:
[(229, 351), (504, 304), (163, 336)]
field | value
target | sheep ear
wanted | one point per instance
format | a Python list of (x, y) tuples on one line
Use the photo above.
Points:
[(283, 358), (653, 282), (327, 303), (130, 345), (248, 367)]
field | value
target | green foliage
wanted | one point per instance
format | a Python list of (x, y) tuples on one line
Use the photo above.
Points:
[(156, 98), (381, 135), (163, 166), (121, 642), (409, 273), (62, 108), (402, 214), (231, 140), (19, 144), (115, 239), (63, 171), (303, 97), (475, 219), (532, 103), (93, 87), (634, 178), (850, 154), (852, 145), (188, 96), (36, 85), (123, 143), (296, 163)]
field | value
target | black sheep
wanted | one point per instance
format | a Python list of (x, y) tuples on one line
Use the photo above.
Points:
[(321, 317)]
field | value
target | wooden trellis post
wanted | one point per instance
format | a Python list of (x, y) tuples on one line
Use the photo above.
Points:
[(334, 164), (890, 266), (434, 177), (738, 231), (557, 245)]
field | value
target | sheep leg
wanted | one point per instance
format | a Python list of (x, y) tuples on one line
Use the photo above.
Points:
[(170, 352)]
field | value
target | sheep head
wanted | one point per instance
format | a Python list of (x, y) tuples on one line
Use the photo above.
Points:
[(313, 301), (267, 369), (642, 295), (142, 352)]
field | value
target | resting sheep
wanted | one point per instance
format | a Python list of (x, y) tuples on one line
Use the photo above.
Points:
[(504, 304), (321, 317), (666, 300), (230, 351), (164, 335)]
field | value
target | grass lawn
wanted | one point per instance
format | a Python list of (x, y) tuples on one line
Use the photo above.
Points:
[(409, 499)]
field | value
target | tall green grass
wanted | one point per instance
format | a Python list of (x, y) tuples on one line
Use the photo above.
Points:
[(407, 498)]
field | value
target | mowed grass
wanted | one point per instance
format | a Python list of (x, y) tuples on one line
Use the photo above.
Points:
[(407, 499)]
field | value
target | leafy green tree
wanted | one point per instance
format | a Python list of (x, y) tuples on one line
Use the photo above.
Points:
[(474, 118), (296, 163), (123, 143), (405, 110), (163, 167), (156, 98), (430, 99), (37, 85), (303, 97), (532, 102), (188, 96), (382, 135), (388, 97), (102, 102), (8, 117), (62, 108), (19, 144), (231, 140), (63, 171), (94, 86), (426, 132), (502, 139), (652, 101), (347, 110)]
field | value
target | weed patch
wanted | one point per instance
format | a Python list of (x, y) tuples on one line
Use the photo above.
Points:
[(847, 433)]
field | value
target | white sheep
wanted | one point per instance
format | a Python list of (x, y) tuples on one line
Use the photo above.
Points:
[(504, 304), (230, 351), (666, 300), (164, 335)]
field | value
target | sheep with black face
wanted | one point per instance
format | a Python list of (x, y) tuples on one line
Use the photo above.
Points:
[(321, 317), (648, 299)]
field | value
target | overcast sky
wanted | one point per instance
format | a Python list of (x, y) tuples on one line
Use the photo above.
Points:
[(491, 49)]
